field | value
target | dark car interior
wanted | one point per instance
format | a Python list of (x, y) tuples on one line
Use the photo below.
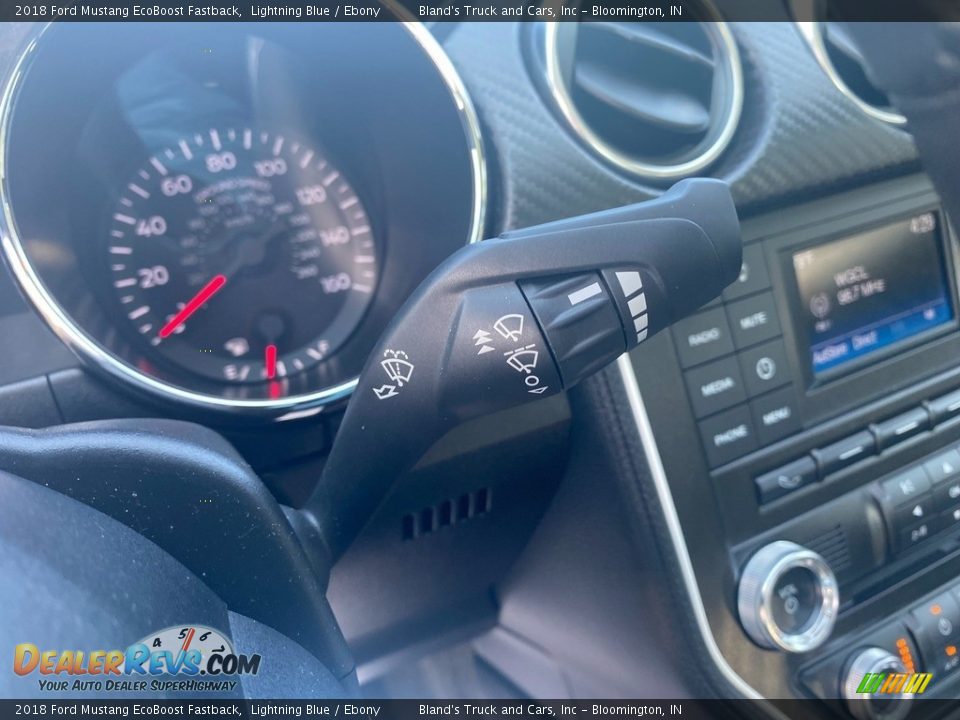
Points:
[(488, 360)]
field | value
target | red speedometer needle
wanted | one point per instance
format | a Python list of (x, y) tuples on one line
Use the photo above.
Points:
[(271, 361), (206, 292)]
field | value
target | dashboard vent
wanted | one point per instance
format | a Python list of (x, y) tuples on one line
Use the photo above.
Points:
[(659, 100), (833, 547), (449, 512), (837, 52)]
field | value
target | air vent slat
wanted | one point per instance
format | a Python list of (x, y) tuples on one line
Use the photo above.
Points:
[(659, 100), (648, 35), (667, 107), (451, 512)]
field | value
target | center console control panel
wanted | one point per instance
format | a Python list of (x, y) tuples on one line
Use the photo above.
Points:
[(822, 512)]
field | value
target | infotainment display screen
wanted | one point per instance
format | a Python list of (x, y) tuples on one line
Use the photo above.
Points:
[(866, 292)]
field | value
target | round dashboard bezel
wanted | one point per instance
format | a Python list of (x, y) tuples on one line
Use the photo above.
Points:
[(95, 355)]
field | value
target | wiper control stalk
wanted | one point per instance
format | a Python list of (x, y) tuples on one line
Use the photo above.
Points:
[(519, 318)]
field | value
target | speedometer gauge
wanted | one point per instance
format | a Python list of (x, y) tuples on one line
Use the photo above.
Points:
[(233, 229), (241, 256)]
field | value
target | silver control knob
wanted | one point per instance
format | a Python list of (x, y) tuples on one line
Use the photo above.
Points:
[(873, 705), (787, 598)]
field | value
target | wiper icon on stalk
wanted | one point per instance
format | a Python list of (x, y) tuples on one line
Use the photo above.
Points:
[(510, 326), (398, 368)]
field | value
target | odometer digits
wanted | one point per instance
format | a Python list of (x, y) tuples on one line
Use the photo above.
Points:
[(241, 256)]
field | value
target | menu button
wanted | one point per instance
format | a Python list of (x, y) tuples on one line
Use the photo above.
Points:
[(776, 415)]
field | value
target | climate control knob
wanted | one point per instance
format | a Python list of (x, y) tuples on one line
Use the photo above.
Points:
[(873, 705), (787, 598)]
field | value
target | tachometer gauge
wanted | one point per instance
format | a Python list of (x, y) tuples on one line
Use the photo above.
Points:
[(241, 256)]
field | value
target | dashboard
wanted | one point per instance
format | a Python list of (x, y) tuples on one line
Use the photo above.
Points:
[(220, 221)]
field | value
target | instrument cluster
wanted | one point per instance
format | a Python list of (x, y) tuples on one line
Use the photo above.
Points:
[(229, 216)]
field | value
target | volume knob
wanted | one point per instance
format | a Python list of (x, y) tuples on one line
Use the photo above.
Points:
[(787, 598)]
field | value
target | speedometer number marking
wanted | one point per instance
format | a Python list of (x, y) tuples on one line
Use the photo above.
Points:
[(243, 256)]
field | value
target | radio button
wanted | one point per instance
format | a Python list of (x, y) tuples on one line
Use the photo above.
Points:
[(753, 274), (785, 480), (728, 435), (776, 415), (764, 367), (715, 387), (943, 467), (906, 487), (901, 427), (753, 320), (703, 337)]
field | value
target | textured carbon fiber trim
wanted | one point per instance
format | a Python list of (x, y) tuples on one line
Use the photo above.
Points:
[(799, 136)]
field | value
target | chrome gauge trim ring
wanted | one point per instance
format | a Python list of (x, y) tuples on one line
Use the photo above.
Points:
[(722, 39), (93, 354), (812, 33)]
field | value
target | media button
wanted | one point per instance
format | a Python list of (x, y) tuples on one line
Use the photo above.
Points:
[(702, 337), (715, 387), (764, 367), (728, 435)]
